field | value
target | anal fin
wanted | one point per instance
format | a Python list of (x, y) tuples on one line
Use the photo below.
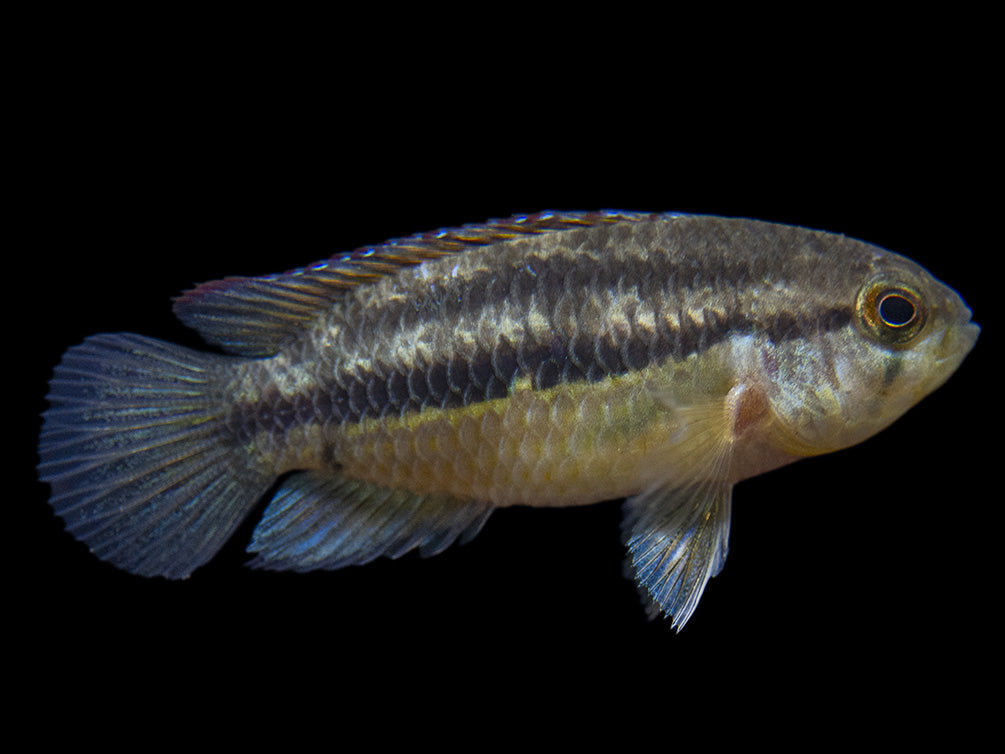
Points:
[(321, 520)]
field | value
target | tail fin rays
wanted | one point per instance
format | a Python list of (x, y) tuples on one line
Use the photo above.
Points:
[(141, 466)]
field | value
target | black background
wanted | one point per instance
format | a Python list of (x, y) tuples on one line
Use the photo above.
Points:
[(871, 565)]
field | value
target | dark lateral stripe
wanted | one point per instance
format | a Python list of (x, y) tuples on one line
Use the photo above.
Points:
[(459, 383), (254, 316)]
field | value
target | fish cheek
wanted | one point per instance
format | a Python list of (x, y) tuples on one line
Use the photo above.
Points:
[(856, 388), (803, 394)]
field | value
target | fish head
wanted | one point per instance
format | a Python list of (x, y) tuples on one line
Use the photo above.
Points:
[(906, 335)]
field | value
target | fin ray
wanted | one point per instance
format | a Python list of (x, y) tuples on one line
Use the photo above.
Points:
[(140, 466), (677, 541), (326, 521), (677, 532), (255, 316)]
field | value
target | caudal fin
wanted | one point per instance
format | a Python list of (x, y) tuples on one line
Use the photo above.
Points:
[(140, 464)]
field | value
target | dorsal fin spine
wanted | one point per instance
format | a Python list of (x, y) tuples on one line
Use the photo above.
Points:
[(254, 316)]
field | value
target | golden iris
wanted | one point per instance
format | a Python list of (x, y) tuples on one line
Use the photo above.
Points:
[(893, 312)]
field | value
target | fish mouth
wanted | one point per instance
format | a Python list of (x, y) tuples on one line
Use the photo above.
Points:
[(957, 340), (961, 331), (949, 352), (968, 335)]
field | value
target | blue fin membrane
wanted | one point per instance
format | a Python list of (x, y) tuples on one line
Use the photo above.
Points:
[(677, 541), (133, 448), (321, 520)]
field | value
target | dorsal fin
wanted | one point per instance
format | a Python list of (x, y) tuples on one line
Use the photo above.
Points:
[(256, 316)]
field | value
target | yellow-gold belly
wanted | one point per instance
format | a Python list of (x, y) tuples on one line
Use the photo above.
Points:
[(569, 445)]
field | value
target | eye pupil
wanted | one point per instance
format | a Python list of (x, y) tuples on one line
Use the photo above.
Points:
[(896, 311), (891, 312)]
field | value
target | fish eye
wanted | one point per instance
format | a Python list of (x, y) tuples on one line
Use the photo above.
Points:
[(893, 313), (896, 310)]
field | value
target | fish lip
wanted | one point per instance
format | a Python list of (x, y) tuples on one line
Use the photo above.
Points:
[(970, 332), (969, 336), (968, 329), (957, 341)]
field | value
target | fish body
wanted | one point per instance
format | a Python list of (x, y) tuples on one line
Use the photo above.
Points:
[(409, 389)]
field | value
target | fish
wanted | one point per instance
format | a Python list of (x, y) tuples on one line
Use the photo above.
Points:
[(394, 396)]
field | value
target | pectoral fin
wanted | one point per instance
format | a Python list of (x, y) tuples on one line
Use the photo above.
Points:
[(677, 540), (677, 533)]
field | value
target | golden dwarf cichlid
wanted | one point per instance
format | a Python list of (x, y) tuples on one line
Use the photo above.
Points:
[(411, 388)]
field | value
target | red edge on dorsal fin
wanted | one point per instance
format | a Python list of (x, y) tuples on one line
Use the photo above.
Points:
[(254, 316)]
